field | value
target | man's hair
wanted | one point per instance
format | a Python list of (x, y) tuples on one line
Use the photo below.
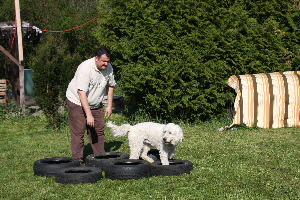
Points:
[(101, 51)]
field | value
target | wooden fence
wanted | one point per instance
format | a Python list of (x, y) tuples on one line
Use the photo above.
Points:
[(3, 91)]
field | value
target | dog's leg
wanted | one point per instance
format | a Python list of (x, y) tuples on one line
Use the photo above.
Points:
[(163, 153), (171, 152), (144, 154), (134, 153), (135, 148)]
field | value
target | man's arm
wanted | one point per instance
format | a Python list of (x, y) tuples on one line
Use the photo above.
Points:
[(86, 108), (110, 97)]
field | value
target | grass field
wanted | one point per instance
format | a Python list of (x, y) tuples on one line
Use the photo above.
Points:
[(241, 164)]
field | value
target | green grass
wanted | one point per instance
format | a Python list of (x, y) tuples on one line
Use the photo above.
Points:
[(242, 164)]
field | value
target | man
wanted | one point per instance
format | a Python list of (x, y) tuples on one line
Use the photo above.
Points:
[(84, 99)]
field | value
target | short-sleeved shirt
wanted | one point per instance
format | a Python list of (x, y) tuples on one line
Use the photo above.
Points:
[(91, 80)]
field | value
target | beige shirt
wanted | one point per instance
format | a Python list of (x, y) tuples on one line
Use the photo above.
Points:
[(91, 80)]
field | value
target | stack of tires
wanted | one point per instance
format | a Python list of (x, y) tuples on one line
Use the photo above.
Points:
[(66, 170), (115, 165)]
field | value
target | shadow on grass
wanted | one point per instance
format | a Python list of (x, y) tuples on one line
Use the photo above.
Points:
[(112, 146), (109, 147)]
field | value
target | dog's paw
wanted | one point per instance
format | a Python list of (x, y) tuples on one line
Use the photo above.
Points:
[(164, 162), (150, 160)]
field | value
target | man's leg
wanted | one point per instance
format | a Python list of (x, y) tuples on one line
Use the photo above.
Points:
[(77, 123), (96, 134)]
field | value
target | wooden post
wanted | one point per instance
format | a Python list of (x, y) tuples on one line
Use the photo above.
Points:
[(20, 50), (16, 61)]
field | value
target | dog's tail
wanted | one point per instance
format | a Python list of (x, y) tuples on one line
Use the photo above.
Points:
[(118, 131)]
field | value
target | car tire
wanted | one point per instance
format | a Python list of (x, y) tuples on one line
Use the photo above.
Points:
[(126, 169), (100, 160), (175, 167), (154, 154), (75, 175), (50, 166)]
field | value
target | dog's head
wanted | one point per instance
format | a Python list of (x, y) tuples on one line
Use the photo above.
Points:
[(172, 134)]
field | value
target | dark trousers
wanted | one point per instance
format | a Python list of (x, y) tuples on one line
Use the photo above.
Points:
[(77, 123)]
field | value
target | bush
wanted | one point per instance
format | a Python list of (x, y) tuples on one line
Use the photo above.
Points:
[(52, 68), (173, 58), (54, 57), (10, 110)]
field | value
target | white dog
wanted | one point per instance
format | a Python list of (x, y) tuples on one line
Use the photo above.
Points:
[(142, 136)]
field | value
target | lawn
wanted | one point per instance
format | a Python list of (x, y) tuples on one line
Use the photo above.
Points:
[(237, 164)]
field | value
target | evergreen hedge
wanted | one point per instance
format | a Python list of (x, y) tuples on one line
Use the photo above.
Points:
[(173, 58)]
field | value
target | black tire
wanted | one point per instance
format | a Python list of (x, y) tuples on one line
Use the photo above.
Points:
[(100, 160), (125, 169), (154, 154), (175, 167), (50, 166), (75, 175)]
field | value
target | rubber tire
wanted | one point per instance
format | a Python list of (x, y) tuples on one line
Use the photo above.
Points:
[(175, 167), (154, 154), (100, 160), (50, 166), (75, 175), (126, 169)]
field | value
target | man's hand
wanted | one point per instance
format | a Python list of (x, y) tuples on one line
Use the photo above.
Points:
[(90, 121), (108, 112), (110, 97)]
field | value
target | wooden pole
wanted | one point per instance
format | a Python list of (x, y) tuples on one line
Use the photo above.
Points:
[(20, 49), (11, 57)]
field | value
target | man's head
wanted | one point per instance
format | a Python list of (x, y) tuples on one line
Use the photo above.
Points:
[(102, 57)]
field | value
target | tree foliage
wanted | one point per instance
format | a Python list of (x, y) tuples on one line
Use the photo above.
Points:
[(55, 57), (173, 57), (52, 68)]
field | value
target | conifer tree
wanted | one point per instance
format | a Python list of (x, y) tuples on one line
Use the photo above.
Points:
[(173, 57)]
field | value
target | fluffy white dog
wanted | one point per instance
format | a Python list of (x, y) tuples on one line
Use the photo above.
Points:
[(142, 136)]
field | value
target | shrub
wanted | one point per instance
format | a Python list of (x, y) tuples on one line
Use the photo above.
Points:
[(173, 58), (10, 110), (53, 67), (57, 55)]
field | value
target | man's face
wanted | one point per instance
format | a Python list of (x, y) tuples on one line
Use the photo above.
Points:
[(101, 62)]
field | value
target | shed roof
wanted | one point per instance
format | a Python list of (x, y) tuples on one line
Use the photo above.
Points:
[(7, 29)]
